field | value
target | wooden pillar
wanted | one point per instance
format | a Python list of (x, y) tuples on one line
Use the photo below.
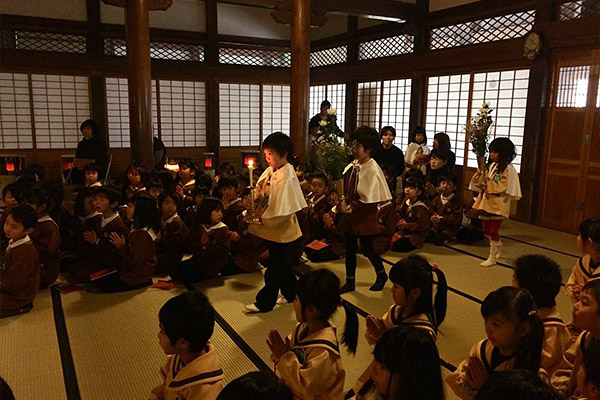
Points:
[(420, 29), (351, 86), (300, 88), (211, 60), (95, 50), (137, 30)]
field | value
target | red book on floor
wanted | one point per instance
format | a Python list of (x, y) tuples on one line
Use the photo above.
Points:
[(102, 274), (67, 288), (317, 245), (164, 285)]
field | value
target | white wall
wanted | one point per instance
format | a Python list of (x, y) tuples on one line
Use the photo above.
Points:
[(250, 22), (61, 9), (184, 15)]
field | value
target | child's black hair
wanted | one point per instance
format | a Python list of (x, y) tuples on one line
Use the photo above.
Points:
[(590, 229), (246, 192), (209, 205), (305, 168), (443, 141), (414, 173), (594, 287), (47, 194), (448, 177), (415, 272), (320, 289), (225, 168), (38, 170), (204, 180), (189, 316), (280, 143), (6, 392), (227, 180), (245, 178), (17, 189), (91, 167), (110, 192), (417, 184), (439, 154), (367, 136), (321, 176), (84, 193), (591, 363), (200, 191), (506, 152), (411, 354), (419, 129), (386, 129), (155, 183), (388, 168), (146, 213), (27, 175), (541, 277), (517, 306), (515, 384), (256, 385), (173, 196), (144, 173), (325, 103), (188, 163), (91, 124), (24, 215)]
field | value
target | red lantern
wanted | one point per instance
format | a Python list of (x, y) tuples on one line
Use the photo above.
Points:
[(10, 166), (208, 163), (247, 160)]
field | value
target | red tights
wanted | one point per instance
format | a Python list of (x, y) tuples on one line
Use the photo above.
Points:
[(491, 228)]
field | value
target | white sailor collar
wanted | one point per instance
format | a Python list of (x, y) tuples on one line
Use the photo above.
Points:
[(90, 216), (209, 229), (326, 338), (204, 369), (12, 244), (168, 221), (106, 221)]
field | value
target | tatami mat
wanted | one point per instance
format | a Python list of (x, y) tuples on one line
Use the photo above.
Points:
[(540, 236), (29, 354)]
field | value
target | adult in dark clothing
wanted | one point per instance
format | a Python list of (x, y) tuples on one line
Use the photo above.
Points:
[(387, 153), (90, 147), (442, 141)]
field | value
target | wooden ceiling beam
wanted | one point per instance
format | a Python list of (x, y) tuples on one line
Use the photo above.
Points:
[(372, 8)]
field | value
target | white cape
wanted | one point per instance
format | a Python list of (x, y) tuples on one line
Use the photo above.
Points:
[(372, 186), (286, 196)]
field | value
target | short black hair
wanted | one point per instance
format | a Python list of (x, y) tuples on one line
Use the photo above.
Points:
[(146, 213), (91, 167), (593, 286), (590, 229), (17, 189), (448, 177), (91, 124), (280, 143), (200, 191), (110, 192), (325, 103), (187, 162), (256, 386), (205, 180), (414, 183), (209, 205), (6, 392), (420, 129), (171, 195), (227, 180), (591, 363), (366, 136), (24, 215), (387, 129), (244, 178), (152, 183), (439, 154), (321, 176), (83, 194), (189, 316), (37, 169), (541, 276), (515, 384)]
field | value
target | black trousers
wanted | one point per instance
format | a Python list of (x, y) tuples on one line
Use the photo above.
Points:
[(403, 245), (366, 243), (112, 283), (278, 276), (324, 254)]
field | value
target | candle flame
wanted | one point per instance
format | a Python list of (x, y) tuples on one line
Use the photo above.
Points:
[(250, 163)]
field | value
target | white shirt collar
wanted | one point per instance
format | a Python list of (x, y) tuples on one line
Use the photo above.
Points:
[(106, 221), (92, 215), (384, 204), (446, 199), (12, 244), (208, 229), (168, 221), (190, 183), (314, 202), (151, 233)]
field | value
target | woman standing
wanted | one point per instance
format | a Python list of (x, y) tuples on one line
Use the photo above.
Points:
[(91, 147)]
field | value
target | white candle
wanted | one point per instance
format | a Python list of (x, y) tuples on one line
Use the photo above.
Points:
[(250, 168)]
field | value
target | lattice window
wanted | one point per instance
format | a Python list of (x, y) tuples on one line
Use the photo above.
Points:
[(317, 95), (395, 108), (158, 50), (578, 9), (487, 30), (117, 110), (387, 47), (336, 55), (573, 86), (43, 41), (336, 94), (182, 113), (266, 58), (239, 114), (506, 92), (275, 109), (447, 110), (60, 104), (369, 104), (15, 112)]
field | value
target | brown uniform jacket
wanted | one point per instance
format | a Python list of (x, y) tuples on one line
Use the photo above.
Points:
[(450, 213), (246, 251), (418, 217), (138, 257), (3, 239), (46, 238), (202, 379), (363, 218), (313, 368), (387, 219), (213, 256), (170, 246), (19, 277), (312, 224), (231, 213)]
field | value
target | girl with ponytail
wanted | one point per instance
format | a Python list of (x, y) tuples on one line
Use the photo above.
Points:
[(515, 337), (309, 360)]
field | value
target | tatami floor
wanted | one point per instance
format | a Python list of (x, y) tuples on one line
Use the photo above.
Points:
[(104, 346)]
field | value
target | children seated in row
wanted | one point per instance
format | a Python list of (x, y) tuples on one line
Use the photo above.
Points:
[(19, 265), (92, 175), (446, 211), (414, 218), (193, 369), (587, 268), (417, 152), (173, 235)]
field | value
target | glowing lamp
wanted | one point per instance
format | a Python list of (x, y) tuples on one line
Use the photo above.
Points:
[(10, 166), (208, 163), (250, 160)]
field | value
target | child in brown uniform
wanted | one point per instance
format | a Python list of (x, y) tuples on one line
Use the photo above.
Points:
[(193, 370), (446, 212), (186, 183), (19, 266), (318, 204), (45, 235), (587, 268), (173, 234), (365, 187), (208, 241), (232, 204), (387, 219), (413, 225), (11, 196), (138, 251)]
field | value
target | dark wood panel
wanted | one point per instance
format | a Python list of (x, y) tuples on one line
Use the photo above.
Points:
[(559, 206), (567, 134)]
